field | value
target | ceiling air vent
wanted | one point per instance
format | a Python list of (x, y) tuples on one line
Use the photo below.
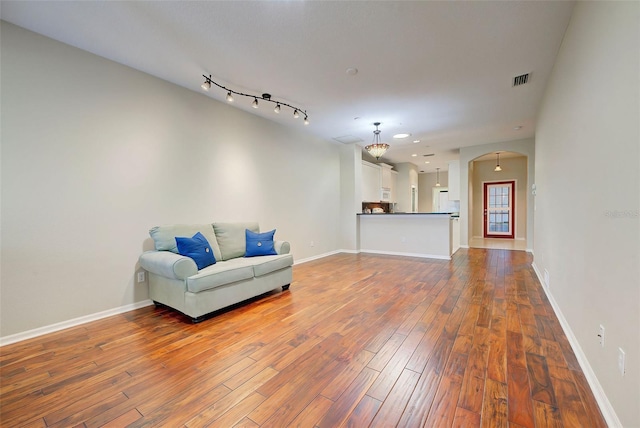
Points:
[(348, 139), (430, 154), (520, 80)]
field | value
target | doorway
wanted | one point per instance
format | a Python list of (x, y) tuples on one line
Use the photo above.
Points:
[(499, 209)]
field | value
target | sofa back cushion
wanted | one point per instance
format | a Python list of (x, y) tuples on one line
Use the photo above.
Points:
[(164, 237), (232, 239)]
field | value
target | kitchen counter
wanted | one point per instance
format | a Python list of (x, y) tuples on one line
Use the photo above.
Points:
[(426, 235), (447, 214)]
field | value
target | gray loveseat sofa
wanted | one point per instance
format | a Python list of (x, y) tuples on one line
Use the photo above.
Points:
[(175, 280)]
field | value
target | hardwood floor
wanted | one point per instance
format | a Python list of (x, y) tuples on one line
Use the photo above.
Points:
[(359, 340), (498, 243)]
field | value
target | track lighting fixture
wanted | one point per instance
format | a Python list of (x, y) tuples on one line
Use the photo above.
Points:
[(297, 111), (377, 148)]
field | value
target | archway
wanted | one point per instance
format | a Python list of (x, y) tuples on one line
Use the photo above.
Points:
[(525, 147), (512, 176)]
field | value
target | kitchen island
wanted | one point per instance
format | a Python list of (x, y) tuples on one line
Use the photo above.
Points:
[(426, 235)]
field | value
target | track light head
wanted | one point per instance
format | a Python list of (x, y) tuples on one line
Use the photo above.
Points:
[(254, 104), (229, 97), (206, 85), (306, 120), (296, 114), (277, 109)]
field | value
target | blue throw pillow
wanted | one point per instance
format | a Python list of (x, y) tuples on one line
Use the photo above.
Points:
[(260, 244), (197, 248)]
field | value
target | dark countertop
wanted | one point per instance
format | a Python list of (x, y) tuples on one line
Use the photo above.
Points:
[(404, 213)]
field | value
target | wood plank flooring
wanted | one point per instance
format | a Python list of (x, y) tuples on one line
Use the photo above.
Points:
[(358, 341)]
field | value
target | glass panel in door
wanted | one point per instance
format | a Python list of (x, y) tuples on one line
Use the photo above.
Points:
[(499, 210)]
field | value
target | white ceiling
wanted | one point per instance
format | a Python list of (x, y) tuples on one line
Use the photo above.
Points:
[(441, 71)]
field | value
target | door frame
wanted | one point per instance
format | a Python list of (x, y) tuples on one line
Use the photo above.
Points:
[(513, 209)]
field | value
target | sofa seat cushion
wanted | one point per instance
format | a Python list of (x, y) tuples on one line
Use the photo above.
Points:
[(266, 264), (221, 273)]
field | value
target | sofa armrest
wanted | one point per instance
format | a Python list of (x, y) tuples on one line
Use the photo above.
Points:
[(168, 264), (282, 247)]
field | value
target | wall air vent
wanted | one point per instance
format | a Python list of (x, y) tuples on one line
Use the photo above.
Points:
[(521, 80), (430, 154)]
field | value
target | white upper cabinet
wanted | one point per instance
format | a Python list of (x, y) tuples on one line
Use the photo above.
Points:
[(394, 186), (379, 182), (454, 180), (370, 182), (385, 172)]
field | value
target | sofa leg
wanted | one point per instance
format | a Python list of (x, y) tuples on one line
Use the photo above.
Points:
[(285, 287)]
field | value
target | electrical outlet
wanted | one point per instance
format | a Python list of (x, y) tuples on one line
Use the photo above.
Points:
[(141, 276), (601, 335), (546, 279), (621, 357)]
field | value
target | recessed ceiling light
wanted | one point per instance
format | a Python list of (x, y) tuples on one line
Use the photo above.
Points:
[(416, 141), (401, 135), (352, 71), (427, 162)]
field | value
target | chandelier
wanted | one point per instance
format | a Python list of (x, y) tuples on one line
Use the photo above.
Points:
[(377, 148), (297, 111)]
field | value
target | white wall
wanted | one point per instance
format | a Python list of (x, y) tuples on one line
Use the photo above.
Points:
[(95, 153), (587, 225), (350, 195), (407, 177), (426, 183), (512, 169)]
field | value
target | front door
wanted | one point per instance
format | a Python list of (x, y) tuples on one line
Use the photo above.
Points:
[(499, 209)]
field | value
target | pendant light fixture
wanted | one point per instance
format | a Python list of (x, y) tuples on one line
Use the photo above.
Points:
[(437, 177), (297, 111), (497, 168), (377, 148)]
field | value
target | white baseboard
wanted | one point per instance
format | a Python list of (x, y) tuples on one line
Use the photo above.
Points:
[(606, 408), (390, 253), (18, 337), (394, 253), (464, 246), (321, 256)]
